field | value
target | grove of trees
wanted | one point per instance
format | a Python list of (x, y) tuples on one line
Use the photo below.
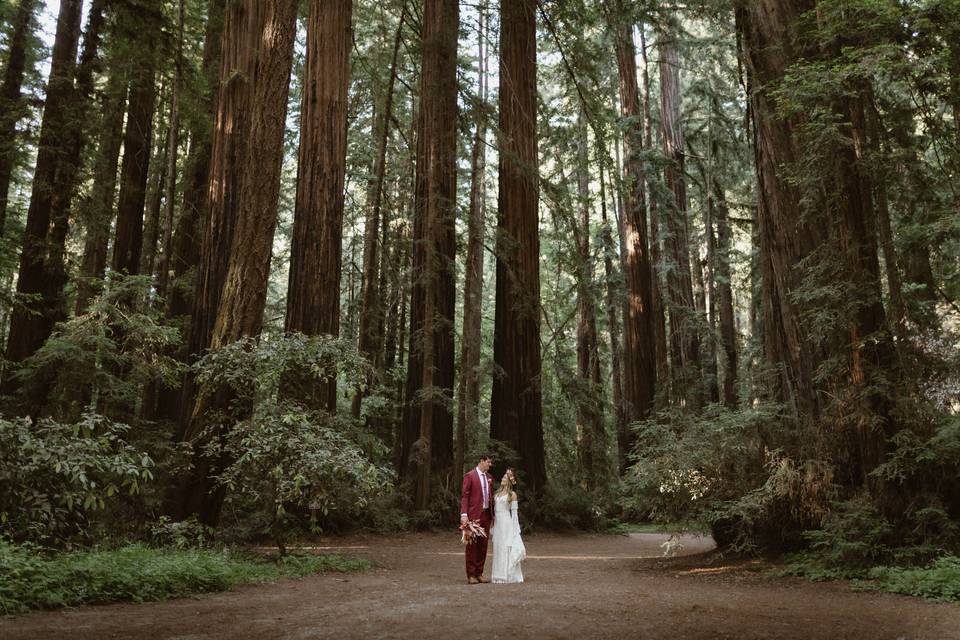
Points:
[(300, 261)]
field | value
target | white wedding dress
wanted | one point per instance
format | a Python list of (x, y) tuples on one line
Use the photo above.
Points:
[(508, 549)]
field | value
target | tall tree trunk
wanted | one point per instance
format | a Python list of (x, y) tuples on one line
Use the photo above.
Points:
[(613, 320), (371, 312), (839, 229), (154, 200), (185, 246), (516, 415), (42, 272), (313, 293), (11, 107), (589, 407), (656, 253), (684, 340), (245, 291), (468, 390), (173, 146), (188, 234), (98, 209), (432, 370), (137, 143), (639, 362), (242, 29), (724, 300)]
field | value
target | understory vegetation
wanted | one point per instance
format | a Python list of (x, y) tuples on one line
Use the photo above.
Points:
[(140, 573), (274, 269)]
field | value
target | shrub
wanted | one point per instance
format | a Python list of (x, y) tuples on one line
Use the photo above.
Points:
[(138, 573), (938, 581), (288, 464), (101, 360), (54, 476)]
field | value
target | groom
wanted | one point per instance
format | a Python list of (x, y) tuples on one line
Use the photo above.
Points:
[(476, 503)]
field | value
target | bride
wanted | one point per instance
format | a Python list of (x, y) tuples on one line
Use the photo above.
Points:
[(508, 549)]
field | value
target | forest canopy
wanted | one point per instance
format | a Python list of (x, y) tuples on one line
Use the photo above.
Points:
[(299, 262)]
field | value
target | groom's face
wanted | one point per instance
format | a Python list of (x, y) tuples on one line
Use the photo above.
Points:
[(485, 465)]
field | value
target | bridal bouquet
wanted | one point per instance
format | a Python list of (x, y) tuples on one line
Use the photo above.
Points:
[(470, 531)]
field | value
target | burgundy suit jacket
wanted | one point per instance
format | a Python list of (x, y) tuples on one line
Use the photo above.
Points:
[(471, 497)]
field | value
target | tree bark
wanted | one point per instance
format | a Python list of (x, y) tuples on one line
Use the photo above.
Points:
[(42, 272), (188, 235), (516, 407), (656, 253), (313, 292), (11, 107), (154, 200), (468, 390), (835, 229), (431, 377), (724, 301), (684, 340), (613, 322), (590, 425), (137, 143), (371, 313), (242, 29), (240, 313), (98, 209), (639, 363), (173, 146)]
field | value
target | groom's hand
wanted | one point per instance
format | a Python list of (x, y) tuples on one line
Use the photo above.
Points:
[(463, 518)]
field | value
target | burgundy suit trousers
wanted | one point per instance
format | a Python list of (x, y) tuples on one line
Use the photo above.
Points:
[(476, 552)]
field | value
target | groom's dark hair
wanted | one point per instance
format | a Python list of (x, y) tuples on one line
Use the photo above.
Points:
[(484, 456)]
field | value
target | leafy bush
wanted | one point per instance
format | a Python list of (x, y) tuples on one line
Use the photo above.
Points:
[(101, 360), (938, 581), (54, 476), (182, 534), (720, 467), (138, 573), (288, 463), (854, 533)]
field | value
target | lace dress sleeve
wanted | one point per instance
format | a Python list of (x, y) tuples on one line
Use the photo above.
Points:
[(517, 550)]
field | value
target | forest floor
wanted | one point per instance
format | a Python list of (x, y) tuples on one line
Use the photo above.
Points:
[(578, 586)]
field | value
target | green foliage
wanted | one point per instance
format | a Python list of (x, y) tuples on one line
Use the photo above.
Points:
[(104, 357), (138, 573), (854, 533), (180, 534), (938, 581), (292, 463), (720, 467), (54, 476), (571, 508)]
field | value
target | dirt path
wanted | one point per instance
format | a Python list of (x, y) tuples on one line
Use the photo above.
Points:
[(577, 587)]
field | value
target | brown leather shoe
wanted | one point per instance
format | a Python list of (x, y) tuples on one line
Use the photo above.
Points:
[(472, 580), (482, 579)]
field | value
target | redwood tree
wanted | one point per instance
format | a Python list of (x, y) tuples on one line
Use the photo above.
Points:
[(11, 107), (684, 339), (370, 339), (431, 364), (241, 307), (516, 410), (42, 273), (243, 24), (639, 358), (137, 144), (818, 237), (468, 387), (313, 292)]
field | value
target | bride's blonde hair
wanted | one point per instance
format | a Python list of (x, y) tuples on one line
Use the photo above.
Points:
[(506, 488)]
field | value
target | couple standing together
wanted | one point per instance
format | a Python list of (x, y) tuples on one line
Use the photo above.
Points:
[(496, 512)]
